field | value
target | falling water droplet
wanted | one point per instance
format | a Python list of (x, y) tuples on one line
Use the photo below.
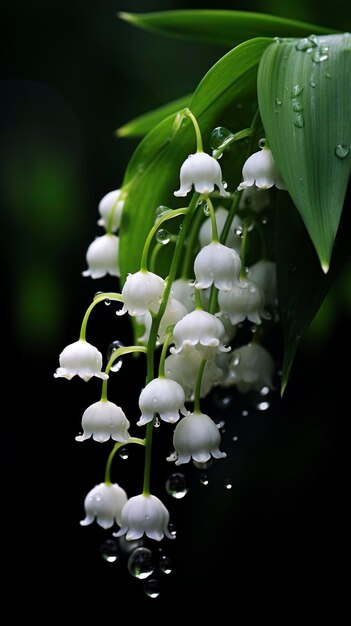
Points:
[(263, 406), (204, 479), (341, 150), (163, 236), (228, 484), (140, 563), (235, 438), (165, 564), (117, 364), (176, 485), (109, 550), (152, 588)]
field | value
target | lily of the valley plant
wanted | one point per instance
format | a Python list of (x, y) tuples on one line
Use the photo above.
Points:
[(223, 226)]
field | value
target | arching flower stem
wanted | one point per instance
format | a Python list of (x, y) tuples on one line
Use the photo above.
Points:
[(98, 298), (168, 215), (199, 144), (114, 356), (115, 448)]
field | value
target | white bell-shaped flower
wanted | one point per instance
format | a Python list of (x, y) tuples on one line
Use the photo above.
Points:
[(184, 368), (142, 292), (110, 209), (80, 359), (196, 436), (216, 265), (174, 312), (163, 396), (244, 300), (183, 290), (264, 274), (201, 330), (254, 199), (104, 503), (102, 257), (260, 170), (144, 514), (250, 367), (201, 171), (102, 420), (233, 240)]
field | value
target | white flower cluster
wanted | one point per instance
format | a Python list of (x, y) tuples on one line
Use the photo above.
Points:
[(199, 319)]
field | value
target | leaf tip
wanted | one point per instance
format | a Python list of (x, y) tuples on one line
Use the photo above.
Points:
[(127, 17), (123, 131), (325, 267)]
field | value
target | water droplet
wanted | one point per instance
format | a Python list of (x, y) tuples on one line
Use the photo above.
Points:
[(228, 484), (341, 150), (140, 563), (117, 364), (123, 453), (163, 236), (157, 422), (296, 91), (320, 55), (262, 142), (203, 466), (219, 136), (128, 546), (303, 44), (161, 210), (312, 84), (264, 391), (152, 588), (278, 102), (238, 231), (313, 40), (206, 209), (109, 550), (172, 529), (107, 301), (235, 438), (165, 564), (204, 479), (297, 105), (244, 413), (221, 426), (298, 120), (176, 485), (263, 406)]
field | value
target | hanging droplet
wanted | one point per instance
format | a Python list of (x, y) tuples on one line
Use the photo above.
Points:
[(161, 210), (128, 546), (176, 485), (172, 529), (203, 466), (163, 236), (204, 479), (228, 484), (109, 550), (107, 301), (157, 422), (341, 151), (152, 588), (117, 364), (140, 563), (123, 453), (165, 564), (219, 136)]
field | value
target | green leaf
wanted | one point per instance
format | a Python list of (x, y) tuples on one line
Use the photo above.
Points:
[(223, 27), (226, 96), (304, 101), (302, 285), (141, 125)]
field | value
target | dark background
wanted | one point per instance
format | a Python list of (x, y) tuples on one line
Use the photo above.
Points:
[(276, 544)]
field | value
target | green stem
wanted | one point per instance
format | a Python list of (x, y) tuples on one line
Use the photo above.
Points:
[(199, 144), (168, 215), (197, 391), (98, 298), (150, 354), (243, 251), (115, 448), (215, 236), (191, 246), (115, 355)]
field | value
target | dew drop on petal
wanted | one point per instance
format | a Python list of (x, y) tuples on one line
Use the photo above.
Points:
[(152, 588), (176, 485), (117, 364), (140, 563), (109, 550)]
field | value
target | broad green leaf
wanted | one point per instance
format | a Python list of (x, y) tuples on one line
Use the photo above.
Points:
[(141, 125), (302, 285), (304, 101), (223, 27), (226, 96)]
